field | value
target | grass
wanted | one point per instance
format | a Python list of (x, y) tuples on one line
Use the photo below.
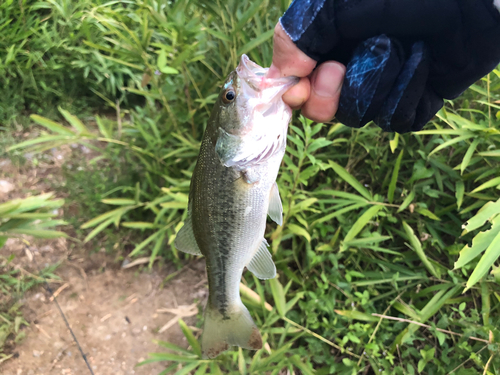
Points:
[(31, 216), (388, 255), (14, 282)]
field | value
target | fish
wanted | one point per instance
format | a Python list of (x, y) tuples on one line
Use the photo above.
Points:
[(233, 189)]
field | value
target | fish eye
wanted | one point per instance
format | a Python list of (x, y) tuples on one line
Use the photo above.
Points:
[(229, 96)]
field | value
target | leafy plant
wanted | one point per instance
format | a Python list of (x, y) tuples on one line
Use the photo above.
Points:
[(376, 272), (32, 216), (486, 240), (14, 282)]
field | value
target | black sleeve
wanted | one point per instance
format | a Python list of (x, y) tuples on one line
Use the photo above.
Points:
[(403, 57)]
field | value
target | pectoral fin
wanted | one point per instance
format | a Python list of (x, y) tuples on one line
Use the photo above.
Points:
[(185, 240), (262, 264), (275, 210)]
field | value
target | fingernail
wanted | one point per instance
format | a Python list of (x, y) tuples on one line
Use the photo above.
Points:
[(273, 72), (329, 79)]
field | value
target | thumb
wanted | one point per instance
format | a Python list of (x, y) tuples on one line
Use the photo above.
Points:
[(288, 60)]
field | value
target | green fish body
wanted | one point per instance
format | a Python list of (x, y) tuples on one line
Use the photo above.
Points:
[(233, 189)]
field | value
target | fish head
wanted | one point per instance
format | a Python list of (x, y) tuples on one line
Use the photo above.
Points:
[(253, 119)]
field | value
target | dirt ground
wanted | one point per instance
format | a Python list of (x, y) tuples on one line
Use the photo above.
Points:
[(116, 314)]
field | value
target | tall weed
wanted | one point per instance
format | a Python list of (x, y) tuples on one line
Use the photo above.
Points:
[(388, 255)]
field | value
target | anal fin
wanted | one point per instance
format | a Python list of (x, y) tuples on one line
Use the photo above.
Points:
[(185, 240), (262, 264), (275, 210)]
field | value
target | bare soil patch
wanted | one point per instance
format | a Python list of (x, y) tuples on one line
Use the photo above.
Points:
[(112, 311)]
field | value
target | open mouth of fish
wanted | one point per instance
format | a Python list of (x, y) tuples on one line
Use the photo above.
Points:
[(257, 87)]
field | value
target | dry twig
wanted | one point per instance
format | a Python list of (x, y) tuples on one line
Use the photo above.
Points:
[(183, 311), (58, 291), (42, 331)]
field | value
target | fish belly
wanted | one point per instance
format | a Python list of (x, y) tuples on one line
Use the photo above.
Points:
[(229, 219)]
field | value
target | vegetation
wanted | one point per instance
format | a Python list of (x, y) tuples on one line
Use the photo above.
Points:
[(31, 216), (388, 255)]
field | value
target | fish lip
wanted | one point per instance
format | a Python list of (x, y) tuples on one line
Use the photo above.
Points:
[(247, 65), (255, 76)]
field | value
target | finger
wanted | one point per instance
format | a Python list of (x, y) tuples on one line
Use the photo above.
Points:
[(326, 84), (298, 94), (288, 60)]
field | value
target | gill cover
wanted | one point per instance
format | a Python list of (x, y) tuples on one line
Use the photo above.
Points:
[(262, 118)]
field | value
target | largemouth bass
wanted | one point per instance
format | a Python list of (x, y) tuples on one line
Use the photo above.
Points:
[(232, 191)]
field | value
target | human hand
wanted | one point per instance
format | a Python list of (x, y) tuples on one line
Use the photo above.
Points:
[(403, 57), (318, 90)]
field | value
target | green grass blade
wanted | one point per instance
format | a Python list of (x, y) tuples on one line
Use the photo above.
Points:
[(394, 178), (300, 231), (173, 347), (50, 139), (190, 338), (452, 142), (104, 216), (9, 206), (119, 201), (249, 13), (256, 42), (338, 213), (304, 369), (429, 214), (99, 228), (393, 143), (360, 224), (417, 247), (436, 302), (160, 242), (187, 369), (459, 193), (479, 243), (74, 121), (490, 154), (146, 242), (407, 201), (138, 225), (51, 125), (40, 233), (278, 295), (468, 155), (485, 263), (357, 315), (103, 128), (347, 177), (488, 211), (491, 183)]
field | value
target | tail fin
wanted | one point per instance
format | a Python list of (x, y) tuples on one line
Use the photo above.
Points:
[(220, 332)]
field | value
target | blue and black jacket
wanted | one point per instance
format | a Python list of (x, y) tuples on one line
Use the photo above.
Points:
[(403, 57)]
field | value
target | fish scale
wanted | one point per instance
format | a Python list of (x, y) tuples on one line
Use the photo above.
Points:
[(232, 190), (228, 231)]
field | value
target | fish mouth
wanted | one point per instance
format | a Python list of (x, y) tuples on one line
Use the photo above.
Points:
[(262, 118), (255, 78)]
